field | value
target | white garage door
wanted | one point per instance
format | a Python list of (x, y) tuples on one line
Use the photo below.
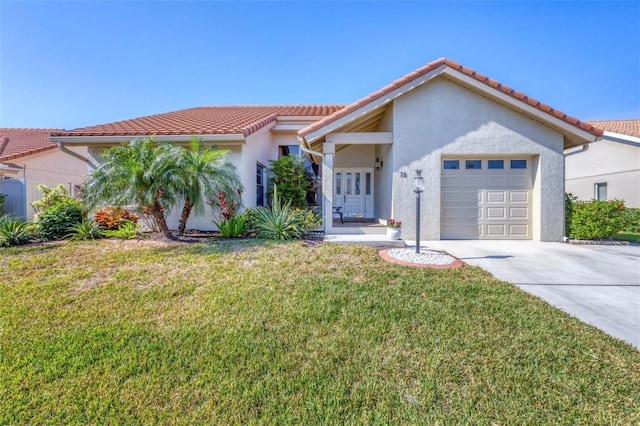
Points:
[(486, 198)]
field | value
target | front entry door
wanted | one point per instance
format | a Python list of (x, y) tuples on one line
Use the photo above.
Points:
[(353, 192)]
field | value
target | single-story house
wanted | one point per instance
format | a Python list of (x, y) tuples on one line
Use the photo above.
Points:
[(610, 168), (492, 157), (28, 158)]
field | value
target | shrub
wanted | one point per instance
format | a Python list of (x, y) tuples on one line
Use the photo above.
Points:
[(596, 219), (632, 220), (232, 227), (2, 198), (54, 222), (569, 203), (14, 231), (50, 197), (294, 183), (281, 222), (126, 231), (112, 217), (85, 230)]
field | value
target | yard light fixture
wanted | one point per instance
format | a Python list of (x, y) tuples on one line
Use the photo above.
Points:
[(418, 188), (378, 164)]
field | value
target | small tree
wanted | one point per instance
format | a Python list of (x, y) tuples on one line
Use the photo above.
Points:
[(206, 173), (293, 181), (143, 173)]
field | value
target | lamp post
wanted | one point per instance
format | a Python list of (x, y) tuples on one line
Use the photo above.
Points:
[(418, 188)]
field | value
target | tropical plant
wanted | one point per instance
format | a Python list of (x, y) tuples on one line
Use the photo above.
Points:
[(126, 231), (281, 222), (112, 217), (207, 172), (54, 222), (50, 197), (293, 181), (85, 230), (232, 227), (142, 173), (14, 231)]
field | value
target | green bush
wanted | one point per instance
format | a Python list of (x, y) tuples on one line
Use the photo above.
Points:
[(14, 231), (85, 230), (294, 183), (588, 220), (232, 227), (2, 198), (632, 220), (54, 222), (126, 231), (50, 197)]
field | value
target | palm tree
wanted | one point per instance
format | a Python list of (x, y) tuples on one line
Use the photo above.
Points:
[(206, 173), (143, 173)]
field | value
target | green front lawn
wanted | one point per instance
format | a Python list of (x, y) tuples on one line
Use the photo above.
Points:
[(252, 332), (627, 236)]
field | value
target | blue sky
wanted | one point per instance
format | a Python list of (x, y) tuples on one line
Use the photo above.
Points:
[(74, 64)]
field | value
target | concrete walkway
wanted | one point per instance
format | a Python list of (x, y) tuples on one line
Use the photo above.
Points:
[(600, 285)]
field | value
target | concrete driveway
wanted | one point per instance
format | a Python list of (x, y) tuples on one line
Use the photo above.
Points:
[(598, 284)]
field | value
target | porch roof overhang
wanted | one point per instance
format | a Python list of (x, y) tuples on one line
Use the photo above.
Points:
[(367, 110)]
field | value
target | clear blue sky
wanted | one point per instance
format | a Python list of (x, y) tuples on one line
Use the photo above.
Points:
[(74, 64)]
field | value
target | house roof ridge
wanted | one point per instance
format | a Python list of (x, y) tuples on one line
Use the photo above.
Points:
[(430, 66)]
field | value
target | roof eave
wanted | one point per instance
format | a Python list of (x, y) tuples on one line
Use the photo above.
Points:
[(115, 139)]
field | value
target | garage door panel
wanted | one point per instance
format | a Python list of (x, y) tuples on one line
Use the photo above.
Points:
[(517, 182), (496, 197), (496, 213), (496, 231), (518, 197), (462, 231), (496, 181), (519, 230), (452, 181), (486, 203), (518, 213)]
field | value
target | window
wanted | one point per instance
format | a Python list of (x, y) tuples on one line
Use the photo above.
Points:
[(288, 149), (367, 184), (473, 164), (600, 191), (451, 164), (338, 183), (496, 164), (259, 184), (518, 164)]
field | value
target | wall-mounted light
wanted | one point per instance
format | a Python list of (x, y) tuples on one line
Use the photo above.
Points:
[(379, 164)]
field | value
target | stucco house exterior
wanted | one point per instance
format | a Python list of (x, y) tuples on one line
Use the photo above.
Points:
[(610, 168), (492, 157), (27, 159)]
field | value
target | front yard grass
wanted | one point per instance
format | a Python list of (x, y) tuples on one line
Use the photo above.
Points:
[(130, 332), (633, 237)]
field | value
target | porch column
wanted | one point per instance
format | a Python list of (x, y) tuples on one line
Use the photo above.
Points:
[(329, 150)]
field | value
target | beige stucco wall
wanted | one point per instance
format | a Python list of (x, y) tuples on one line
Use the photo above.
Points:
[(615, 163), (51, 168), (442, 119), (356, 156)]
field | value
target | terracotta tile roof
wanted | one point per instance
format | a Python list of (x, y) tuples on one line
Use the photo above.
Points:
[(456, 66), (206, 120), (625, 127), (15, 142)]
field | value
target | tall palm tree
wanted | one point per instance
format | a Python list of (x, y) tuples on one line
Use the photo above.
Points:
[(206, 173), (143, 173)]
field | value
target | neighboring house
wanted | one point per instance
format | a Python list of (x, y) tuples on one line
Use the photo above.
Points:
[(492, 157), (28, 158), (608, 169)]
